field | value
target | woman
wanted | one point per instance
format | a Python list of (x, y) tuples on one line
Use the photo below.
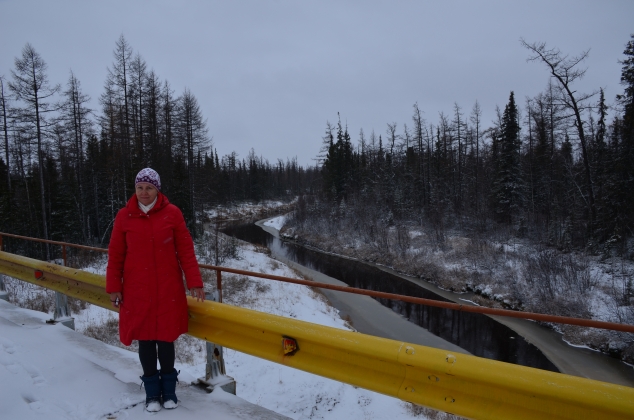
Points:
[(150, 249)]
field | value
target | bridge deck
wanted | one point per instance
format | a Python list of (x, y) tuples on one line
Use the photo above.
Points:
[(55, 371)]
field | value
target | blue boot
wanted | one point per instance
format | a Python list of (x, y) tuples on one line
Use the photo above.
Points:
[(152, 392), (168, 389)]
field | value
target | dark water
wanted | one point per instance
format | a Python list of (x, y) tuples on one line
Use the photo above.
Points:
[(476, 333)]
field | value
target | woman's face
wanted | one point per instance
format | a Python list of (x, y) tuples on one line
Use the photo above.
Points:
[(146, 193)]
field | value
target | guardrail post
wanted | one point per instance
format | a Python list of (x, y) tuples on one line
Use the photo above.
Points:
[(215, 374), (3, 291), (62, 310)]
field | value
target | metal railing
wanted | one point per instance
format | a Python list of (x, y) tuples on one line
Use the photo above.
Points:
[(457, 383), (48, 241), (421, 301)]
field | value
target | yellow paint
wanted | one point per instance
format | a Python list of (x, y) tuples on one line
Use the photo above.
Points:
[(72, 282), (465, 385)]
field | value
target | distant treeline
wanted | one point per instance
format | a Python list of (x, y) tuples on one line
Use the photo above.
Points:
[(66, 168), (558, 170)]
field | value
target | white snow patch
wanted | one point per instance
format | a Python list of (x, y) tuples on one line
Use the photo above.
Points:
[(52, 372), (276, 222)]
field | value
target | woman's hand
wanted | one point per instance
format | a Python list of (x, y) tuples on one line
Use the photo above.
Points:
[(198, 293), (116, 299)]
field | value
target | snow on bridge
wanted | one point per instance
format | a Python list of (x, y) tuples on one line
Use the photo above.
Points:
[(50, 371)]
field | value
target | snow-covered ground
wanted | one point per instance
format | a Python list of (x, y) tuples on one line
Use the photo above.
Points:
[(48, 372), (288, 391), (500, 269), (51, 372), (276, 222), (244, 211)]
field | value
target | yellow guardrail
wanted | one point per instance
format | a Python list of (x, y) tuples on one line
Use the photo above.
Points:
[(461, 384)]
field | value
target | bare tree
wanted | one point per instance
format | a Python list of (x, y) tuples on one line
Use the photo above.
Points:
[(118, 88), (459, 127), (30, 85), (5, 131), (166, 132), (137, 87), (152, 114), (191, 136), (566, 71), (391, 132), (75, 115), (419, 124), (475, 118)]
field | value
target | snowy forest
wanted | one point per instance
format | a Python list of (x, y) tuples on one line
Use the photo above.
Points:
[(556, 169), (455, 161), (534, 212), (67, 168)]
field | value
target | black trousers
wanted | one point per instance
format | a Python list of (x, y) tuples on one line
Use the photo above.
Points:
[(148, 354)]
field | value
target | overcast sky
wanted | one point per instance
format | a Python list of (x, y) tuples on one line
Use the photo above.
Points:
[(269, 74)]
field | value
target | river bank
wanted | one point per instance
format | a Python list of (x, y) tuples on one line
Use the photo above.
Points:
[(365, 314), (477, 334), (571, 360)]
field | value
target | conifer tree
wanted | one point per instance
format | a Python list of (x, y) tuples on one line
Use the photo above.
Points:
[(138, 76), (190, 135), (600, 163), (77, 125), (459, 128), (5, 132), (31, 87), (507, 187), (117, 100), (623, 188), (627, 79), (419, 127), (476, 114), (338, 162), (565, 70)]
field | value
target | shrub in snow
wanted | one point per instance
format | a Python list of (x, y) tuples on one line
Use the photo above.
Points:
[(484, 290), (616, 347)]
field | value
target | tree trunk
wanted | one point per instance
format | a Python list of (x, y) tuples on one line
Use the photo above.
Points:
[(6, 136)]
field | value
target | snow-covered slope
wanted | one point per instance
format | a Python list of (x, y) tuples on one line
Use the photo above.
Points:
[(288, 391), (54, 373)]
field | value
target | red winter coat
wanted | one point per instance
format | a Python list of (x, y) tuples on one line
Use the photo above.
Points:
[(147, 256)]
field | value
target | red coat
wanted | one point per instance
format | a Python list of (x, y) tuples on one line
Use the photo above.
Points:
[(147, 256)]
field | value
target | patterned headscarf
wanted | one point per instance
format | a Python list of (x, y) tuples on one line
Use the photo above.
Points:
[(150, 176)]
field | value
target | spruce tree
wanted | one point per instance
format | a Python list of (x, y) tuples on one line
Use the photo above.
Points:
[(508, 185), (623, 188), (601, 171), (338, 165), (627, 79)]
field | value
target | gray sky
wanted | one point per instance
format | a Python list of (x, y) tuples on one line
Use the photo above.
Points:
[(269, 74)]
